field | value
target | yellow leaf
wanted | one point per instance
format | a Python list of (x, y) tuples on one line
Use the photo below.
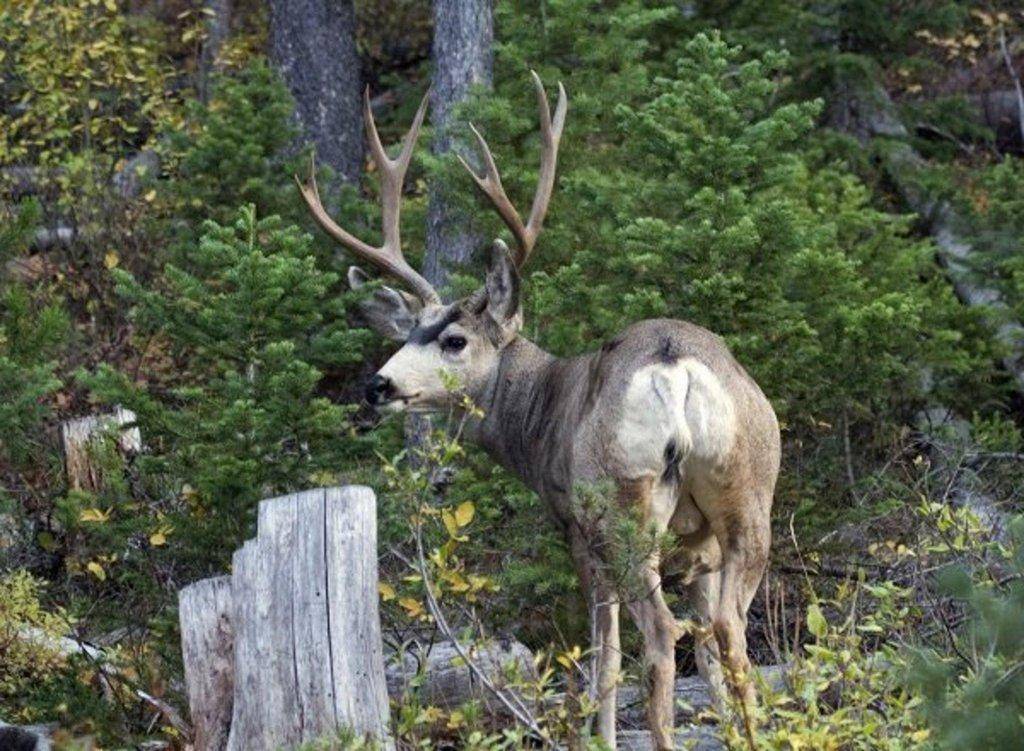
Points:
[(94, 103), (450, 523), (412, 606), (111, 5), (148, 198), (111, 259), (96, 570), (94, 515), (387, 592), (464, 513), (157, 539)]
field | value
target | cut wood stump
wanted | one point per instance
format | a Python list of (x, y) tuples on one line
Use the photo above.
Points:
[(288, 649), (81, 439), (207, 646)]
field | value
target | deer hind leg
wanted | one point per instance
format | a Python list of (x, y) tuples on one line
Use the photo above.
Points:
[(652, 616), (703, 594), (744, 537), (660, 632), (696, 561), (603, 606)]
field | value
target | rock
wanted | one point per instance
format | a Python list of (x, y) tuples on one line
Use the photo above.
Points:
[(691, 691), (27, 738), (692, 737), (129, 181)]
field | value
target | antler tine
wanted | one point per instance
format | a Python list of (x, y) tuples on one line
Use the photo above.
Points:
[(388, 257), (490, 183), (491, 186)]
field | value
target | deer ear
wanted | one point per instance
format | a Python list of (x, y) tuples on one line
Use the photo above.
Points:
[(502, 287), (389, 312)]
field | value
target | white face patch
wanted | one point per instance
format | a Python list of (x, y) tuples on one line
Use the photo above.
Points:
[(415, 373), (422, 372)]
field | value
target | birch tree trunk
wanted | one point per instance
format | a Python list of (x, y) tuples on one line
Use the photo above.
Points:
[(463, 58), (313, 45)]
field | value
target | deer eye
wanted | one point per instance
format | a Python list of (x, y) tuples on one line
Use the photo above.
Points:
[(453, 343)]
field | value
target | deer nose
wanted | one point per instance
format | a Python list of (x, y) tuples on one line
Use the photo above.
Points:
[(379, 389)]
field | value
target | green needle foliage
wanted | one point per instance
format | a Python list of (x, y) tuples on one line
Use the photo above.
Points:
[(975, 693), (232, 150), (689, 190), (33, 329), (246, 330)]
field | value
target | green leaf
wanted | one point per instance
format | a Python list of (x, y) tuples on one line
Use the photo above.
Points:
[(816, 622)]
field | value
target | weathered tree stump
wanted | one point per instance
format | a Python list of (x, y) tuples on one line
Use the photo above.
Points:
[(207, 646), (301, 618), (79, 438)]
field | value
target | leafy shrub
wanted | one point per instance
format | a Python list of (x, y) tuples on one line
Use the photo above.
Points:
[(86, 77), (28, 632), (974, 688), (846, 689)]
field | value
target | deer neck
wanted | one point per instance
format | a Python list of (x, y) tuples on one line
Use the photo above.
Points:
[(530, 412)]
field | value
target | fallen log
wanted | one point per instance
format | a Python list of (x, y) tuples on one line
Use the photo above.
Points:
[(439, 676), (692, 696), (693, 738)]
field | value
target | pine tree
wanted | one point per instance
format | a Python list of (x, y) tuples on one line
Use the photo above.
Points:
[(236, 416)]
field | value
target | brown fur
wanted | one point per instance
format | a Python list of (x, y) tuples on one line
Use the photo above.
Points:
[(706, 469)]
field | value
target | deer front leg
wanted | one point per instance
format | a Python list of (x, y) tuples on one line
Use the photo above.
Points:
[(603, 606)]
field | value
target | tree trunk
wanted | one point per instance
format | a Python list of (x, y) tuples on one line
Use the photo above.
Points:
[(218, 26), (463, 58), (313, 44), (438, 676), (300, 616)]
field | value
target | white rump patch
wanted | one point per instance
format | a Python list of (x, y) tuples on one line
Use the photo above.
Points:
[(683, 403)]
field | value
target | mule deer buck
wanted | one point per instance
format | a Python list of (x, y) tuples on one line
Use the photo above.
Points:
[(662, 413)]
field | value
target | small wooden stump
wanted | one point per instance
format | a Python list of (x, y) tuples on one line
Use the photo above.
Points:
[(79, 438), (299, 620)]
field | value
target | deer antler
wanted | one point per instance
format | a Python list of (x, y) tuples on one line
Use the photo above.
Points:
[(490, 183), (388, 257)]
